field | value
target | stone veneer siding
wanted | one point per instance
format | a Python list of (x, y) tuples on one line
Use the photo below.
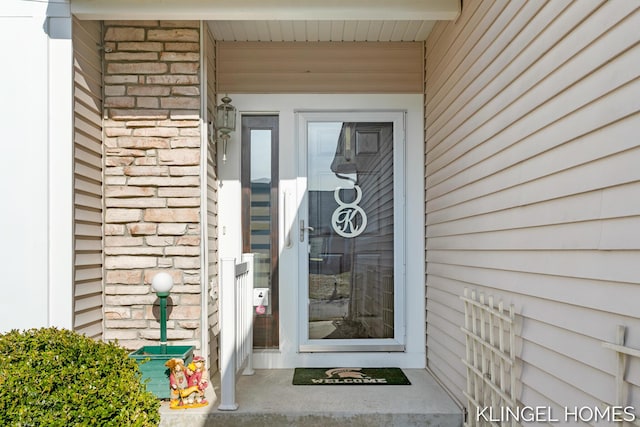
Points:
[(152, 178)]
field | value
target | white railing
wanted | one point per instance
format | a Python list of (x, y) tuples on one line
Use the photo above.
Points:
[(236, 326)]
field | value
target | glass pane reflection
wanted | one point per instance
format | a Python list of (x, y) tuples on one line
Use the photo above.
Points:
[(350, 181)]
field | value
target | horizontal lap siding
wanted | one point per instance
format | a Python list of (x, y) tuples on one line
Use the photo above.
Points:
[(320, 67), (87, 311), (532, 189), (212, 206)]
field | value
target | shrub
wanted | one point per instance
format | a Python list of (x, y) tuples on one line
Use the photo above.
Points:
[(55, 377)]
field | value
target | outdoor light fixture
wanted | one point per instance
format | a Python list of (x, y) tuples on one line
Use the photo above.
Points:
[(225, 122), (161, 285), (152, 359)]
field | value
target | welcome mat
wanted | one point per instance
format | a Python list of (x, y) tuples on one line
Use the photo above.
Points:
[(349, 376)]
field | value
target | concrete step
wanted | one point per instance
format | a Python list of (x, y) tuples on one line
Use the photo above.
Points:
[(268, 398)]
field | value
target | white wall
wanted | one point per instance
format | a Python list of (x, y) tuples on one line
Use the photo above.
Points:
[(532, 189), (36, 173)]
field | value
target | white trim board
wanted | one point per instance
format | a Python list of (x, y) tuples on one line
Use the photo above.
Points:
[(268, 9)]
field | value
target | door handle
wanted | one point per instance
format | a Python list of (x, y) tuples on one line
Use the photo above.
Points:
[(302, 230)]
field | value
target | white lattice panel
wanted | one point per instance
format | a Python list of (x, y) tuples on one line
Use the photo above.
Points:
[(490, 360)]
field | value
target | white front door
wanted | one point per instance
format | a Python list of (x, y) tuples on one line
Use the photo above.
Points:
[(351, 229), (351, 291)]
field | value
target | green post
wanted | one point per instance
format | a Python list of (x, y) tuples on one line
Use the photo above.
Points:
[(163, 320)]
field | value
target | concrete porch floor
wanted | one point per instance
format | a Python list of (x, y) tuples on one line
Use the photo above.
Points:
[(268, 398)]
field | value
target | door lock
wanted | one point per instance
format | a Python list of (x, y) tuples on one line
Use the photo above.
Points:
[(302, 230)]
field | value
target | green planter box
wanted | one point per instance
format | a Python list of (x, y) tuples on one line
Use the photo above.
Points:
[(154, 368)]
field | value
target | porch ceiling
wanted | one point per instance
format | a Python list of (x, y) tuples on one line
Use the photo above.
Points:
[(323, 31)]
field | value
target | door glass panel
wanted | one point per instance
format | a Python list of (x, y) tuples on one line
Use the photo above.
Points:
[(351, 230), (260, 218), (260, 222)]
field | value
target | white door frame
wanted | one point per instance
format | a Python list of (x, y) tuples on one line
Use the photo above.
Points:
[(290, 199)]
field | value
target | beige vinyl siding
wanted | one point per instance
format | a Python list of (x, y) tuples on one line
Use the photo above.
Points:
[(532, 189), (212, 204), (320, 67), (87, 307)]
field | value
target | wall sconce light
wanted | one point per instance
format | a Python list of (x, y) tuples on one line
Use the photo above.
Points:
[(225, 122)]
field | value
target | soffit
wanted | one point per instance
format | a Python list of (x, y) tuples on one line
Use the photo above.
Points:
[(323, 31)]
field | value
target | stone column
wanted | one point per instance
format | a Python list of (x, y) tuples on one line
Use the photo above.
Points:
[(152, 178)]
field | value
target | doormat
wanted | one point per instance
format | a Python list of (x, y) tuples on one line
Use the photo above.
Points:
[(349, 376)]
